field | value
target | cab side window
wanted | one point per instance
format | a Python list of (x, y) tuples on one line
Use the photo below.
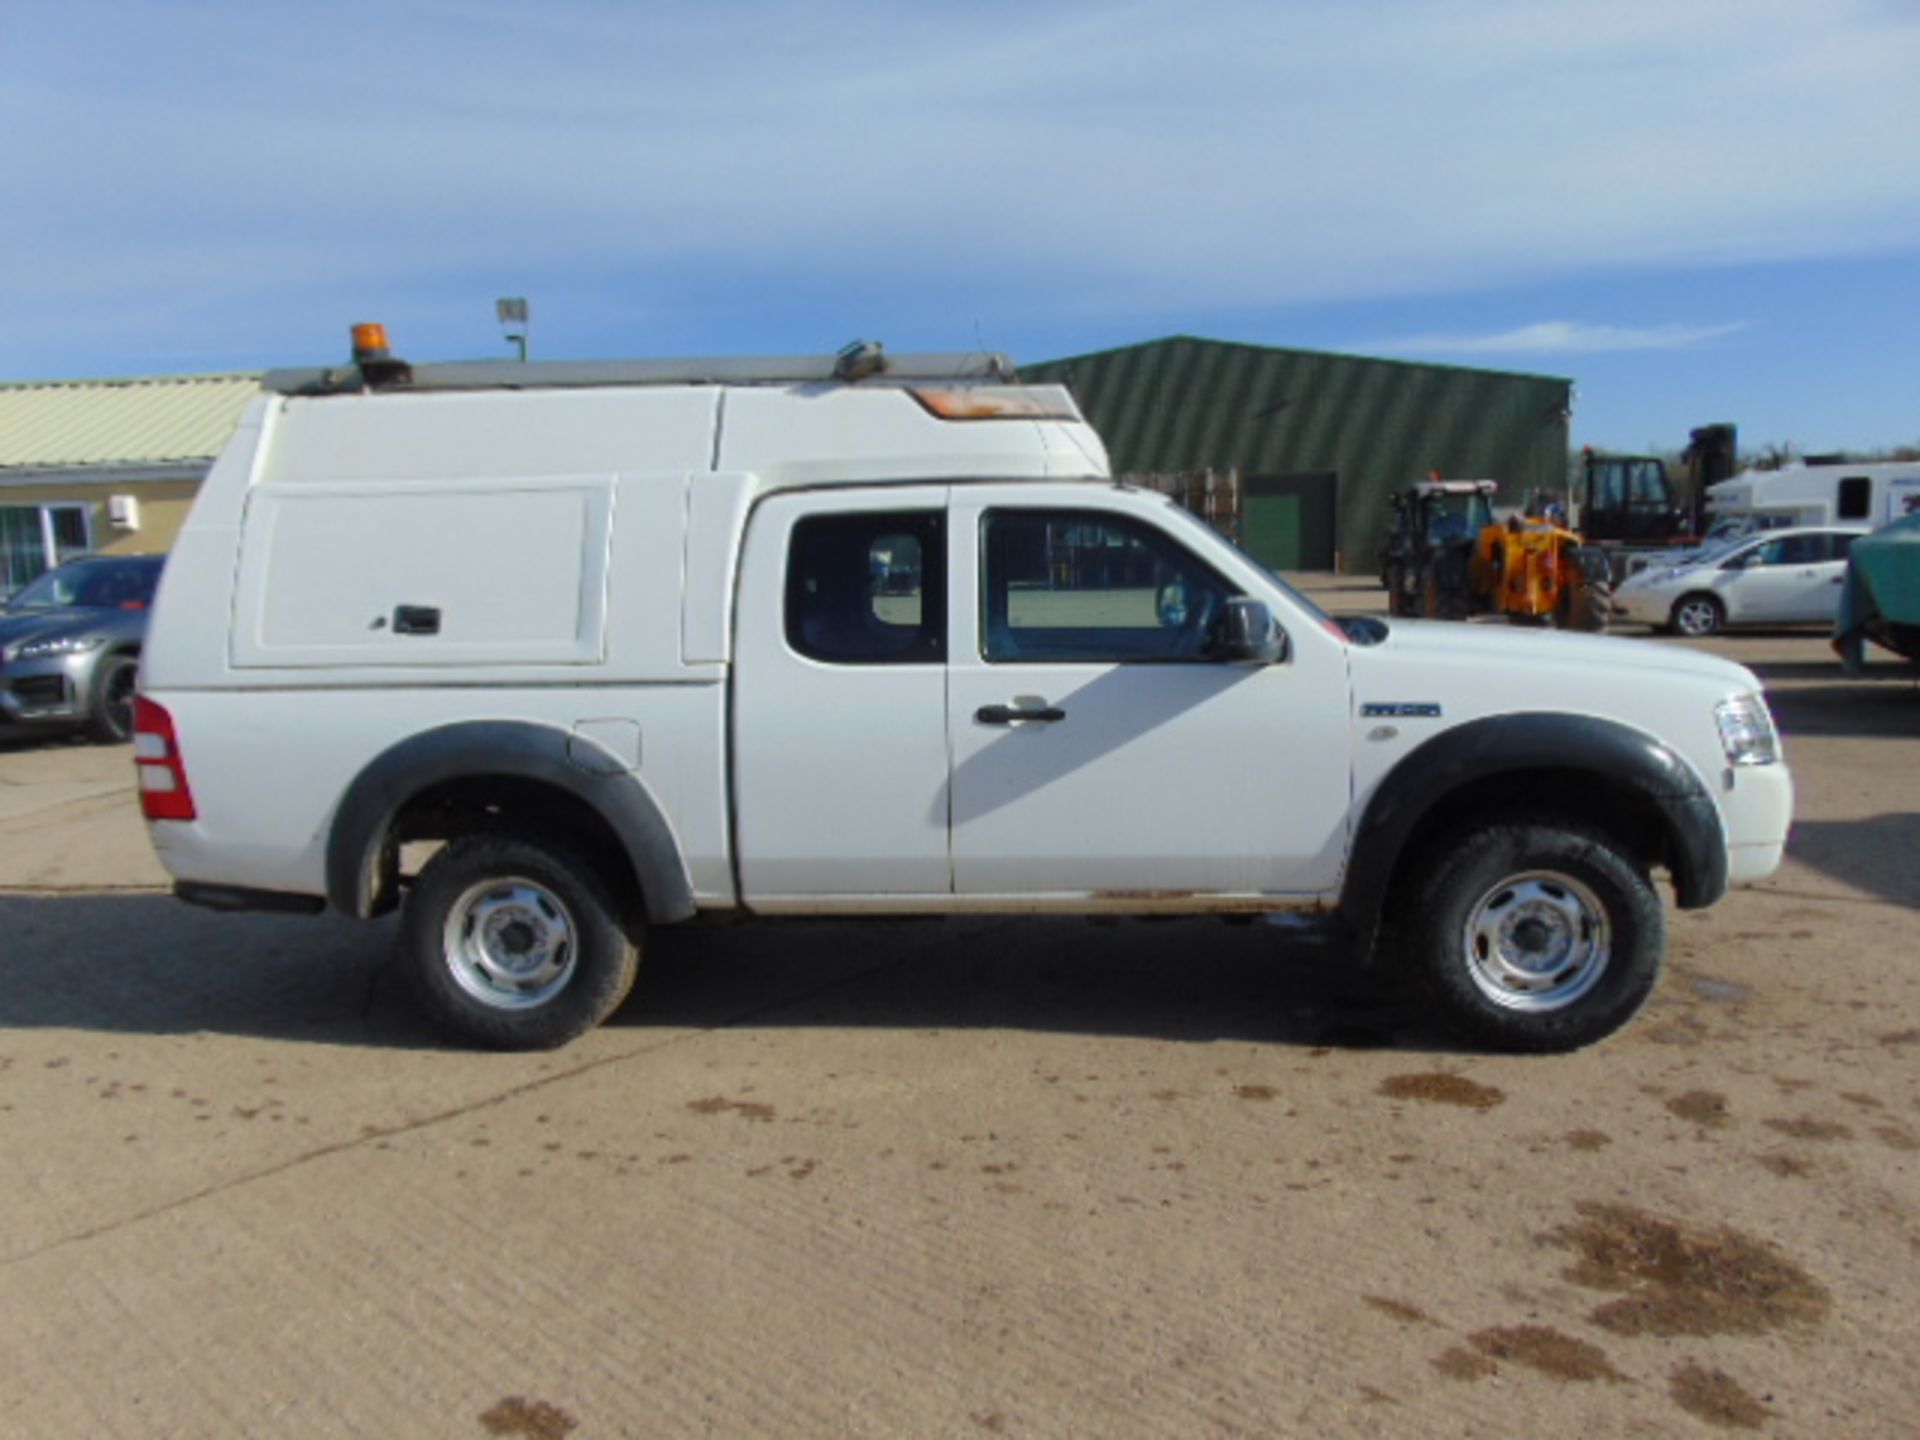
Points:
[(868, 589), (1080, 586)]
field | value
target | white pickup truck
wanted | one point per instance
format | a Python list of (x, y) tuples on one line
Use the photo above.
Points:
[(622, 645)]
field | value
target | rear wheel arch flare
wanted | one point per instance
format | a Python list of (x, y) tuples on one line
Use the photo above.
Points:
[(520, 756)]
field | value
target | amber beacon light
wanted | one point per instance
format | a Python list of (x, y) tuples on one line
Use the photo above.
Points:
[(369, 342)]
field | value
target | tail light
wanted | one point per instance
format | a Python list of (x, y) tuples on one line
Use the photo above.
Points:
[(164, 794)]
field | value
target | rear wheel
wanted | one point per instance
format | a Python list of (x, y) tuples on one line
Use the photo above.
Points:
[(110, 707), (1534, 935), (517, 943), (1699, 615)]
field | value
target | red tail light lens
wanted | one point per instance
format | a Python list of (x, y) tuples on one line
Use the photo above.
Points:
[(164, 794)]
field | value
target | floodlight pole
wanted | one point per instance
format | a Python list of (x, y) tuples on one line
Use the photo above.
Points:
[(511, 310)]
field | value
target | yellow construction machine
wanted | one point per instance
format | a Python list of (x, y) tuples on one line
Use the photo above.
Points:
[(1448, 558)]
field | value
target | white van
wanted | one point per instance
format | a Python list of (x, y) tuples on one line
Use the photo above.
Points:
[(1823, 494), (642, 644)]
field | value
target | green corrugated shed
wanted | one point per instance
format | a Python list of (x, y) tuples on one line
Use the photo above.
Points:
[(1186, 403)]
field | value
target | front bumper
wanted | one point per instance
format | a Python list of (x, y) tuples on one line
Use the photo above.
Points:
[(50, 691), (1758, 803)]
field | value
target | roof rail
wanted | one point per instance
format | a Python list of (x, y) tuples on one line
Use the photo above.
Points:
[(582, 374)]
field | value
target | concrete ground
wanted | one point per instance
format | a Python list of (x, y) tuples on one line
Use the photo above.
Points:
[(992, 1178)]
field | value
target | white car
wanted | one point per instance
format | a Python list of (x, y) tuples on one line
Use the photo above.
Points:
[(1779, 577)]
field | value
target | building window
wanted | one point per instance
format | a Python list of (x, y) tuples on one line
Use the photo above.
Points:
[(35, 538), (1856, 497)]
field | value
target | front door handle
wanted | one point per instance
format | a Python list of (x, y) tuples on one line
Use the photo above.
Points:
[(1009, 714), (416, 620)]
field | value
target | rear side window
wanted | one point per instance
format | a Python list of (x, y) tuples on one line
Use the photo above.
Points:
[(868, 589)]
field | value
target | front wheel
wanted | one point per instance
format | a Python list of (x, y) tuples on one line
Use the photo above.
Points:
[(1587, 601), (518, 944), (1535, 935), (110, 706), (1698, 616)]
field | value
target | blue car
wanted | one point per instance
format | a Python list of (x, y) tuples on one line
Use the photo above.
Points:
[(70, 647)]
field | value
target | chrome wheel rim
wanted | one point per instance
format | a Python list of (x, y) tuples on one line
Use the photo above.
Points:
[(510, 943), (1696, 617), (1536, 941)]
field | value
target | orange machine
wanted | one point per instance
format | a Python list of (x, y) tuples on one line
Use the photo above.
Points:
[(1448, 558)]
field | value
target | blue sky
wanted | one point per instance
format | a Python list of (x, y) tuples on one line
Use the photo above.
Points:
[(1700, 210)]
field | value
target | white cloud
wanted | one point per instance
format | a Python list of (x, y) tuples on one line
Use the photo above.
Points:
[(1560, 337)]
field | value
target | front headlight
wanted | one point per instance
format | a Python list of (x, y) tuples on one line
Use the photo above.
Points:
[(1746, 731), (58, 645)]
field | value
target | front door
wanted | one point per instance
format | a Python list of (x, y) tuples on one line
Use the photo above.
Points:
[(1789, 578), (1099, 756)]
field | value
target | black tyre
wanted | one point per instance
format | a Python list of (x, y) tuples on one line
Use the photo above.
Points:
[(518, 943), (1398, 601), (110, 706), (1587, 601), (1534, 935), (1698, 615)]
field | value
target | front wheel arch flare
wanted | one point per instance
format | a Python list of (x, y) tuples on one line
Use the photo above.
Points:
[(1623, 765), (363, 825)]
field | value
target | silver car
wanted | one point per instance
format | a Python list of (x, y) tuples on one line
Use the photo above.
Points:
[(1778, 577), (70, 646)]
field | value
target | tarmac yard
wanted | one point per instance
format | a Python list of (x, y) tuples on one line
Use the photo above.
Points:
[(987, 1178)]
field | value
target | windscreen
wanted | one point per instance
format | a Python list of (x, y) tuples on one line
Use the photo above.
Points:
[(1193, 521), (124, 585)]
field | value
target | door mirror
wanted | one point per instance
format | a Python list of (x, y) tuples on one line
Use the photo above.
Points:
[(1741, 561), (1248, 634)]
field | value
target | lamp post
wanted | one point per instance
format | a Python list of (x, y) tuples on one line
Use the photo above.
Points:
[(512, 313)]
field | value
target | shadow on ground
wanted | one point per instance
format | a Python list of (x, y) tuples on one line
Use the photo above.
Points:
[(1829, 669), (14, 739), (1862, 709), (147, 964), (1878, 854)]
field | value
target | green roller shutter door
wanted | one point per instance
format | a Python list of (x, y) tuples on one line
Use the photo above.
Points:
[(1287, 521), (1271, 529)]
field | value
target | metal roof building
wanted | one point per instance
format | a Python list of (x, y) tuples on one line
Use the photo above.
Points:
[(1319, 440), (105, 464), (58, 427)]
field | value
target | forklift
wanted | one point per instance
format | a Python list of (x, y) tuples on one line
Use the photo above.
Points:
[(1624, 503)]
